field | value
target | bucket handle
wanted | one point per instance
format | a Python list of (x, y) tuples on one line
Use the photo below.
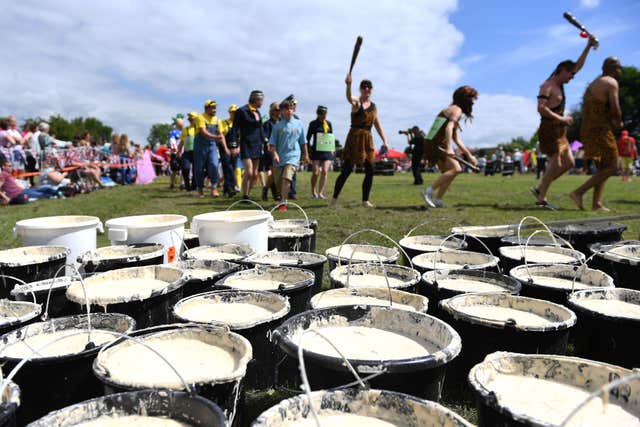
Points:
[(303, 369), (416, 227), (100, 227), (295, 205), (84, 291), (602, 392), (244, 201), (596, 253), (533, 218), (464, 237), (6, 276)]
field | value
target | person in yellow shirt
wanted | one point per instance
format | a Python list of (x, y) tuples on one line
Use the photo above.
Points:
[(185, 150), (205, 149), (228, 161)]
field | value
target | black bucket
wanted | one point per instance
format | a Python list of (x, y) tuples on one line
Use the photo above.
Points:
[(491, 236), (122, 256), (513, 256), (289, 223), (392, 408), (59, 305), (581, 235), (296, 239), (621, 260), (291, 282), (536, 240), (190, 240), (126, 365), (202, 275), (542, 390), (500, 321), (357, 253), (9, 403), (306, 260), (605, 331), (555, 282), (416, 245), (147, 307), (453, 259), (185, 408), (55, 381), (441, 285), (418, 371), (30, 264), (375, 275), (231, 252), (206, 308), (370, 296), (15, 314)]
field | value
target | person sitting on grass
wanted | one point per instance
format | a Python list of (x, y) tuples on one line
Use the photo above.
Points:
[(12, 193), (286, 141)]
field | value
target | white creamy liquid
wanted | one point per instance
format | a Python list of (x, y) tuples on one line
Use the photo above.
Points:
[(201, 273), (214, 255), (537, 255), (253, 284), (494, 312), (70, 345), (130, 420), (359, 342), (467, 285), (339, 420), (557, 282), (232, 313), (114, 291), (551, 402), (358, 255), (630, 252), (196, 361), (371, 281), (612, 307), (333, 301)]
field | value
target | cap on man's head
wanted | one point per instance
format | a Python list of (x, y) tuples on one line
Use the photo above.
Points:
[(292, 99), (209, 103), (321, 109), (192, 115), (43, 126), (232, 108)]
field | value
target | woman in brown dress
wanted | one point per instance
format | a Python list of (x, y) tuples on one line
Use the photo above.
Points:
[(358, 149), (438, 149)]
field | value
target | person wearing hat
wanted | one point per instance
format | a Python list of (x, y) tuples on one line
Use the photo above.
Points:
[(186, 149), (228, 161), (205, 149), (247, 128), (321, 158), (266, 164), (358, 148)]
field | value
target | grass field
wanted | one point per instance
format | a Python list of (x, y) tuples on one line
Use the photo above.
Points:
[(473, 200)]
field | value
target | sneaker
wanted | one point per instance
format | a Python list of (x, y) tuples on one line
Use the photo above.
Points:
[(283, 208), (368, 205), (427, 195), (215, 193), (246, 197), (439, 203)]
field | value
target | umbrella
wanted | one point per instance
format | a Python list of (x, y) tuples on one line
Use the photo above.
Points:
[(575, 145), (391, 154)]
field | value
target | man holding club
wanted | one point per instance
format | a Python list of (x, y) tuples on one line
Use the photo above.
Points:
[(601, 116), (552, 132)]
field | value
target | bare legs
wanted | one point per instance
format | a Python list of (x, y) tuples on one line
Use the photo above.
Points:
[(320, 172), (557, 165), (251, 167), (597, 181), (451, 169)]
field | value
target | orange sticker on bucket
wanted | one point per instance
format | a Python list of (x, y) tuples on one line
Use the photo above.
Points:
[(171, 254)]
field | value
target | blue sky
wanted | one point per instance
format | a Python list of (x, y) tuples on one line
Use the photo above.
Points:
[(132, 64)]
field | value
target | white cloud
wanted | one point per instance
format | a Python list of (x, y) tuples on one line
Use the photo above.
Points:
[(135, 63), (589, 4)]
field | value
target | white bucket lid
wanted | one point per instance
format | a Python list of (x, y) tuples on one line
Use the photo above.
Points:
[(63, 222), (147, 221)]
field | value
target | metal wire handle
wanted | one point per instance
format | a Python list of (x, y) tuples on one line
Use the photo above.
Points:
[(464, 236), (19, 280), (530, 217), (244, 201), (84, 291), (295, 205), (416, 227), (553, 236)]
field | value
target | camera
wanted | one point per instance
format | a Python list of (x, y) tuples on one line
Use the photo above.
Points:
[(405, 132)]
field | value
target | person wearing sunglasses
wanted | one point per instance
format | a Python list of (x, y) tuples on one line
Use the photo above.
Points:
[(552, 132), (358, 148)]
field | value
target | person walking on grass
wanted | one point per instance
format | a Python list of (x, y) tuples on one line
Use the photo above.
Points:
[(601, 117), (266, 163), (358, 148), (552, 132), (438, 147), (321, 154), (627, 151), (185, 149), (205, 148), (287, 141), (247, 125)]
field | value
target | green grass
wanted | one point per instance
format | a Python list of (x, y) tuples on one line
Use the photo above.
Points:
[(472, 200)]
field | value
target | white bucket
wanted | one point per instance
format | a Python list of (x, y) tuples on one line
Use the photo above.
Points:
[(167, 230), (245, 226), (76, 232)]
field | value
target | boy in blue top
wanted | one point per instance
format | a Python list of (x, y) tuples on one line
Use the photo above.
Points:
[(287, 141)]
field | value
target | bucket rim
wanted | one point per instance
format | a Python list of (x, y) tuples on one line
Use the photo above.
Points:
[(306, 282), (421, 302), (521, 274), (447, 306), (60, 252), (139, 395), (255, 258), (452, 242), (289, 232), (59, 283), (574, 299), (342, 254), (429, 361), (578, 257), (510, 284), (577, 231), (32, 223), (476, 231), (286, 307), (339, 274), (245, 251), (153, 250), (491, 260), (219, 216), (36, 310), (218, 267), (79, 321), (129, 222), (604, 251)]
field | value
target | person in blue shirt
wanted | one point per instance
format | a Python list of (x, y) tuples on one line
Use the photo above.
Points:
[(247, 125), (287, 141)]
